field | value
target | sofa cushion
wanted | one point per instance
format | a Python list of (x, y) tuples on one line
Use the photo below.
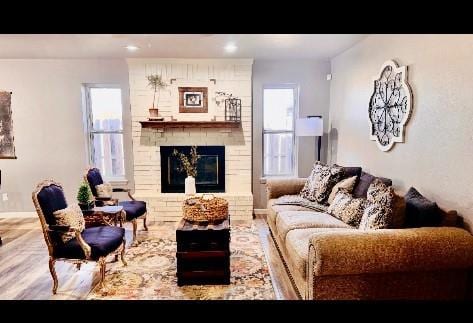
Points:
[(297, 245), (361, 188), (347, 184), (378, 213), (273, 210), (421, 212), (289, 220), (347, 208), (320, 182)]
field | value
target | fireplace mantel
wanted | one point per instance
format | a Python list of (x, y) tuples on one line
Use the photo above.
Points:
[(189, 124)]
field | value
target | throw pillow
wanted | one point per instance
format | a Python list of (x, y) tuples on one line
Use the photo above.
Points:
[(70, 216), (347, 184), (104, 190), (421, 212), (320, 182), (347, 208), (364, 183), (399, 212), (379, 207)]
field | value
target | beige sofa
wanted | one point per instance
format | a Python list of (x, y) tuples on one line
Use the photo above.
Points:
[(327, 259)]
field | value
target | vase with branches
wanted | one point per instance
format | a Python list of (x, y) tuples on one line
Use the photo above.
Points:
[(189, 165), (157, 83)]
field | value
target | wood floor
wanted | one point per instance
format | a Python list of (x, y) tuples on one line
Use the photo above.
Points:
[(24, 272)]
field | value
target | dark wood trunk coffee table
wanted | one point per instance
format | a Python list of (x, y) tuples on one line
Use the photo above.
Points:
[(203, 253)]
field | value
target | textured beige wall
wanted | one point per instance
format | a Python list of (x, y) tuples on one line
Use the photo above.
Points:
[(314, 96), (437, 155), (48, 126)]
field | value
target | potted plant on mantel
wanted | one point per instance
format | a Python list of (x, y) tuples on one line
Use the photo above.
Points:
[(156, 82)]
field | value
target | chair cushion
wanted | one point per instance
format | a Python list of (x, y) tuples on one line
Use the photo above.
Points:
[(361, 188), (104, 190), (289, 220), (51, 198), (102, 240), (72, 217), (133, 209), (297, 245), (94, 178)]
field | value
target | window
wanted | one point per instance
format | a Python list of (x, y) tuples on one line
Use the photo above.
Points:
[(103, 107), (279, 107)]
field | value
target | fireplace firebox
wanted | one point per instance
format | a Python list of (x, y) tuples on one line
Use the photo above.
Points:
[(210, 169)]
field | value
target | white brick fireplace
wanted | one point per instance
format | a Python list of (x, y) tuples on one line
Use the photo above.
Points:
[(218, 75)]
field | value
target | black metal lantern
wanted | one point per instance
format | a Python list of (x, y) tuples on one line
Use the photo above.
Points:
[(233, 109)]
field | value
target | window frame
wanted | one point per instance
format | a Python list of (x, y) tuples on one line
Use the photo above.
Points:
[(296, 90), (89, 128)]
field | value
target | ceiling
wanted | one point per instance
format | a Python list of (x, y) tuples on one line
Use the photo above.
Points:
[(258, 46)]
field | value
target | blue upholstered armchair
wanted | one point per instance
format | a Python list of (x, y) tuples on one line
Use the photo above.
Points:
[(134, 209), (92, 244)]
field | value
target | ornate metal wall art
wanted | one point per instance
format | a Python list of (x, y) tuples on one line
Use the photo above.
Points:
[(390, 105), (233, 109)]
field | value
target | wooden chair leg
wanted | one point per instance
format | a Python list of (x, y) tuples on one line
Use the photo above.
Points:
[(122, 253), (144, 223), (135, 227), (103, 265), (52, 262)]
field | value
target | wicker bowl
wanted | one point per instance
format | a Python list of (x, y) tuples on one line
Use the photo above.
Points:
[(207, 208)]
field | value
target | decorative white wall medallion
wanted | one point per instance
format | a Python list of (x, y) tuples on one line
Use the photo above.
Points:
[(390, 105)]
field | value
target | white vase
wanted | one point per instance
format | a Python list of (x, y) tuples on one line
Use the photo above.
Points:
[(189, 185)]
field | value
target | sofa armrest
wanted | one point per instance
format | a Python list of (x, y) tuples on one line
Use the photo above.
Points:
[(391, 250), (276, 187)]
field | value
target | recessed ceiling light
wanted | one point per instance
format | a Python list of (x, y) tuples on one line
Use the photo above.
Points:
[(230, 48), (132, 48)]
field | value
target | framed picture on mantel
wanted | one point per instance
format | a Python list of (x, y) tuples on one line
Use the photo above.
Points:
[(193, 100)]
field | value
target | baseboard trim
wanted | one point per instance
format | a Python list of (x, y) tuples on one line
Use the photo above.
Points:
[(8, 215), (260, 211)]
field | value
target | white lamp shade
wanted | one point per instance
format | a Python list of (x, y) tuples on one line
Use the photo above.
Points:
[(309, 127)]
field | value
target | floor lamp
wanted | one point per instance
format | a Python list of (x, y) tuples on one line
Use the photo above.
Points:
[(311, 126)]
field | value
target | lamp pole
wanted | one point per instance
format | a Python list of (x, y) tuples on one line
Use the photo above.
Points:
[(319, 142)]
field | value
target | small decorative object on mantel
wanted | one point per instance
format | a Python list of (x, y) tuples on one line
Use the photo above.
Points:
[(7, 148), (189, 165), (157, 84), (390, 105), (233, 109), (193, 100)]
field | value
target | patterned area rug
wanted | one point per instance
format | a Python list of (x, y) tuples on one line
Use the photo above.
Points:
[(151, 271)]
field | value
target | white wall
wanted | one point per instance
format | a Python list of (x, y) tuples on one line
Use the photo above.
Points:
[(47, 123), (314, 99), (437, 155)]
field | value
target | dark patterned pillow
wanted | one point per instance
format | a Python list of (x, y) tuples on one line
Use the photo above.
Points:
[(378, 213), (321, 181), (421, 212), (347, 208), (364, 182)]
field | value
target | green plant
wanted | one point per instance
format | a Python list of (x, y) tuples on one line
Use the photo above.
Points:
[(188, 164), (156, 82), (84, 194)]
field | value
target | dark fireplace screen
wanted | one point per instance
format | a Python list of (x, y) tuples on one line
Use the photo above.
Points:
[(210, 169)]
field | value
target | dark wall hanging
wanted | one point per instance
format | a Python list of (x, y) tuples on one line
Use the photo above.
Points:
[(7, 148), (390, 105)]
